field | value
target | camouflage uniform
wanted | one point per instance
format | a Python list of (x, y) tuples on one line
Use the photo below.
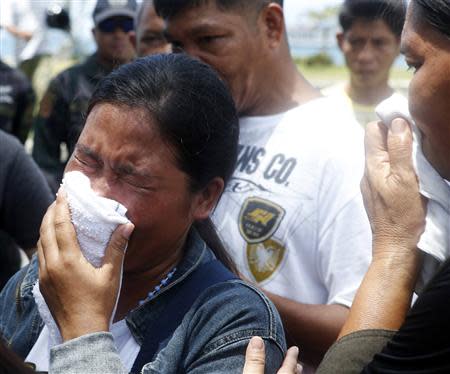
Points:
[(16, 102), (61, 116)]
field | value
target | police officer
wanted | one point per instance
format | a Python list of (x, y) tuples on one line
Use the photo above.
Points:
[(16, 102), (60, 117)]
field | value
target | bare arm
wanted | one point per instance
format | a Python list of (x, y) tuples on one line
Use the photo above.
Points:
[(313, 328), (21, 34), (397, 215)]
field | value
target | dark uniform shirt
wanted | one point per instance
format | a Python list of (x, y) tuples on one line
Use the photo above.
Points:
[(24, 199), (16, 102), (61, 115)]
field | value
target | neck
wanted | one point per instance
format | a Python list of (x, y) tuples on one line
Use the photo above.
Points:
[(106, 63), (285, 89), (137, 283), (371, 95)]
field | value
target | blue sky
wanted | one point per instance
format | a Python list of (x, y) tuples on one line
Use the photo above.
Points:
[(293, 7)]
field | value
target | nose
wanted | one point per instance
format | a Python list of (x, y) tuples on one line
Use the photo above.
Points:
[(119, 32), (101, 185), (366, 55)]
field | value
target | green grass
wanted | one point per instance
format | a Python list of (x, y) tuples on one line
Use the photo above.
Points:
[(322, 76)]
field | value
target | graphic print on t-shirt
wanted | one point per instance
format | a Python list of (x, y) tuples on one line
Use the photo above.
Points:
[(264, 258), (258, 221)]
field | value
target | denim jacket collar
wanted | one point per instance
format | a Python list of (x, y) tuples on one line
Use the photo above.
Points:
[(196, 253)]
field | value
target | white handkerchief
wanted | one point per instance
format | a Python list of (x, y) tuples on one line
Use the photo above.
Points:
[(435, 241), (94, 218)]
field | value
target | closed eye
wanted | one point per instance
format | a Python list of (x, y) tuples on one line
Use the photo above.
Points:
[(86, 163), (138, 185), (209, 39)]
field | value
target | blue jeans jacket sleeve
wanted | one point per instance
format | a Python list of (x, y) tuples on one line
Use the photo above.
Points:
[(211, 339), (20, 323)]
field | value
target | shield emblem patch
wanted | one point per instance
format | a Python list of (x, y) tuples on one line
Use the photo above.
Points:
[(259, 219), (264, 259)]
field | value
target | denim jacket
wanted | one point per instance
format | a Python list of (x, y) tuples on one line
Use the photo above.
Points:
[(212, 337)]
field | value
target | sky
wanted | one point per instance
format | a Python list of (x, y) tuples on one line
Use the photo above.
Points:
[(294, 7)]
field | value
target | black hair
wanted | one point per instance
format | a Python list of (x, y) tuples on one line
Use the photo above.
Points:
[(170, 8), (436, 13), (57, 18), (392, 12), (195, 115)]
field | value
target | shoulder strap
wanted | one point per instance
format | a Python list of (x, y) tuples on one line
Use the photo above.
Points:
[(184, 295)]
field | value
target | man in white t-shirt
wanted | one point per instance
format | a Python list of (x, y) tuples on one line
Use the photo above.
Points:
[(370, 42), (292, 216)]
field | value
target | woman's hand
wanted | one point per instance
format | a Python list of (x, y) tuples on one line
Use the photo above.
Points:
[(80, 296), (396, 212), (255, 359), (390, 190)]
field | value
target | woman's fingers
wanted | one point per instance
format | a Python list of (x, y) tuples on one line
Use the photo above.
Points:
[(49, 246), (115, 251), (41, 261), (255, 357), (400, 147), (65, 233), (375, 142), (290, 363), (390, 189)]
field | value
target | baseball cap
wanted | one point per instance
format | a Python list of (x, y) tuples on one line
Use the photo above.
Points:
[(105, 9)]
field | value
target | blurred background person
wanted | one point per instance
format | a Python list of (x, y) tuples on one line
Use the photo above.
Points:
[(60, 118), (149, 37), (16, 102), (24, 198), (23, 20), (54, 51), (370, 42)]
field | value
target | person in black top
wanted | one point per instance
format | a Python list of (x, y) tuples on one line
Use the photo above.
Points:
[(16, 102), (24, 199), (62, 109)]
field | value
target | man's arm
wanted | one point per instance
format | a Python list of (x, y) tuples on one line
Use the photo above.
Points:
[(18, 33), (50, 131), (313, 328)]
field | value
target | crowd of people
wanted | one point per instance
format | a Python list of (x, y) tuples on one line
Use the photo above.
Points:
[(259, 215)]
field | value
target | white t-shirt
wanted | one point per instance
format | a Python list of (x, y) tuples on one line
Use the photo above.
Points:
[(126, 345), (362, 113), (292, 216)]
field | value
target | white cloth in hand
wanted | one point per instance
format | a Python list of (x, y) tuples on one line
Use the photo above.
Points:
[(435, 241), (94, 218)]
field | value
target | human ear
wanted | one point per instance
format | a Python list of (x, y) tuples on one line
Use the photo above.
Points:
[(133, 39), (340, 39), (94, 34), (206, 199), (273, 23)]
